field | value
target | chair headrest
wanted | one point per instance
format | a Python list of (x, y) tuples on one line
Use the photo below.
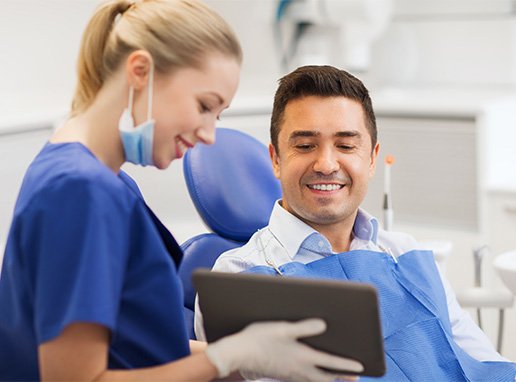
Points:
[(231, 184)]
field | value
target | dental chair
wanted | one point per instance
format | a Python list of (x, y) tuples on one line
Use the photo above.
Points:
[(233, 188)]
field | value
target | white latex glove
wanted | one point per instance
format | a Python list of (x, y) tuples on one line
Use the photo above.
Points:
[(272, 349)]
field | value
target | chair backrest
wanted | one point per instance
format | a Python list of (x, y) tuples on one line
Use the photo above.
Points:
[(233, 188), (199, 252)]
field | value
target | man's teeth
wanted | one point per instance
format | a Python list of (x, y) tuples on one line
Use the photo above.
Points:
[(325, 187)]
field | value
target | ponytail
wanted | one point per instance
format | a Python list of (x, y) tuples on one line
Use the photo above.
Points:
[(90, 65), (176, 33)]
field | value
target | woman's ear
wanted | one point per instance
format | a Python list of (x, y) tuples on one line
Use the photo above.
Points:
[(137, 67)]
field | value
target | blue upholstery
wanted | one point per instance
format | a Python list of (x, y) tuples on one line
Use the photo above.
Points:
[(231, 184), (200, 252), (233, 188)]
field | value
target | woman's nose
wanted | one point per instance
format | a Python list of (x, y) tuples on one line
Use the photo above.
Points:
[(206, 134)]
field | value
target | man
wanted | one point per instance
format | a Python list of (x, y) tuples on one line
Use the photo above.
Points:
[(324, 150)]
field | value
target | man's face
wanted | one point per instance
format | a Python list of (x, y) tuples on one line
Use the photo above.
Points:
[(325, 160)]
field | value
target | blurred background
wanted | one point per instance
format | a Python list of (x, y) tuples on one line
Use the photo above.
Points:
[(442, 76)]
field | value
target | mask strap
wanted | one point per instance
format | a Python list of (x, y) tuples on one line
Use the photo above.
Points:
[(131, 96), (149, 95), (149, 91)]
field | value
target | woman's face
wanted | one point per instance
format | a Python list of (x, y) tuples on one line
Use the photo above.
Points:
[(187, 104)]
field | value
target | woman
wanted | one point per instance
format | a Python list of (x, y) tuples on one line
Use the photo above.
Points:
[(89, 289)]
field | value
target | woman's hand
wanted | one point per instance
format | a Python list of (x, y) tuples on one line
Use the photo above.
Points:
[(272, 349)]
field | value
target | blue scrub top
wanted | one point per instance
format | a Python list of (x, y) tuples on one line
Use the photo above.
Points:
[(84, 247)]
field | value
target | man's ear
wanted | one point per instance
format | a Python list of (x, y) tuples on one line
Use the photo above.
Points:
[(137, 67), (275, 160), (374, 157)]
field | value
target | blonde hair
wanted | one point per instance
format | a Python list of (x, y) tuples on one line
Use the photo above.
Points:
[(177, 34)]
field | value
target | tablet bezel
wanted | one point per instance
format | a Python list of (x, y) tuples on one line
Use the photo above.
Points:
[(231, 301)]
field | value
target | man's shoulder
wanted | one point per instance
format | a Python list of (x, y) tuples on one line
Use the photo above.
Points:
[(244, 257), (397, 242)]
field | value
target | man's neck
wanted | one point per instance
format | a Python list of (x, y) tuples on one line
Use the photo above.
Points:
[(338, 234)]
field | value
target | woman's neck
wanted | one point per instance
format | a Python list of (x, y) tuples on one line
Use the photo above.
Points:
[(97, 128)]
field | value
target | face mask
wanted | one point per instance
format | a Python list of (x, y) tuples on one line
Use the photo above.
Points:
[(137, 141)]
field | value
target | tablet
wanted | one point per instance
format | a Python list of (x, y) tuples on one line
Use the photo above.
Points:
[(231, 301)]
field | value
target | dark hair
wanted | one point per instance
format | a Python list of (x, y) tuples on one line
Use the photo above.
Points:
[(321, 81)]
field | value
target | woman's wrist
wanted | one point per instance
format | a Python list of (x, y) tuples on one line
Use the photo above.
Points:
[(197, 346)]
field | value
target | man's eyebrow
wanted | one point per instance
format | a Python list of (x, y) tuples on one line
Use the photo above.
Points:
[(311, 133), (348, 133), (303, 133)]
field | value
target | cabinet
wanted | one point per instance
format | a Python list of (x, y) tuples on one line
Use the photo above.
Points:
[(435, 177), (502, 215)]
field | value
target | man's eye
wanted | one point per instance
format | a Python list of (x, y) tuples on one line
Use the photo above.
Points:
[(345, 147), (304, 147)]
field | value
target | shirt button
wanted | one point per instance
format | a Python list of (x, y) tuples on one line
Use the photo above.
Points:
[(321, 244)]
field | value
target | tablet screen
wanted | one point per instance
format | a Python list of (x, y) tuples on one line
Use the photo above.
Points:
[(231, 301)]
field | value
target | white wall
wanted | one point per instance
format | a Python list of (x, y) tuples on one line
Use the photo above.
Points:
[(39, 41)]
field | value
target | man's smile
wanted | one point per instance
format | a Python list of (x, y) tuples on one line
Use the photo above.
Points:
[(325, 186)]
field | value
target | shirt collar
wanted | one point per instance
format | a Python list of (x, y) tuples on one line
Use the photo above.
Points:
[(291, 231), (288, 229), (366, 226)]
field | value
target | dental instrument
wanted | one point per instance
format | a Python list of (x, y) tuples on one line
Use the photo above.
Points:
[(387, 202)]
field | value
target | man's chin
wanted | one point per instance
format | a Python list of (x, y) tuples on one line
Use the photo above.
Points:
[(325, 216)]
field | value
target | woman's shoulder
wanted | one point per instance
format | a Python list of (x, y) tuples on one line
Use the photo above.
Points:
[(61, 172)]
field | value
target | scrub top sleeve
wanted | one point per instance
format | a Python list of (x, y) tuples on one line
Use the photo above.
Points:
[(75, 236)]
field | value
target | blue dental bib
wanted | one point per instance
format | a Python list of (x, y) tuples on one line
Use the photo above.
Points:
[(418, 340)]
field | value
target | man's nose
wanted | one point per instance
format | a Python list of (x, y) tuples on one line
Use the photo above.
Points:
[(326, 162)]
